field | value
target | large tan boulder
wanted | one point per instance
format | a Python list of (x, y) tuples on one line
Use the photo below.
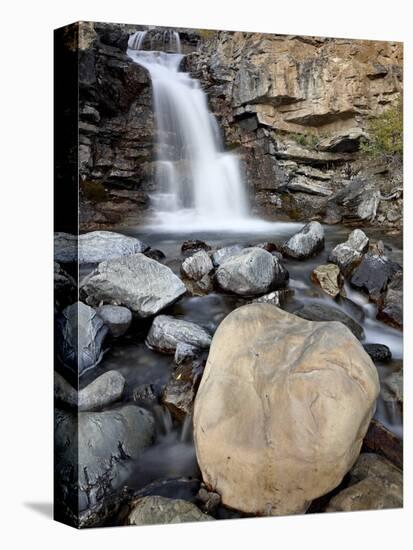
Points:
[(282, 409)]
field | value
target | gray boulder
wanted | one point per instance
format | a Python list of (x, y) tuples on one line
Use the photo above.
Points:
[(99, 446), (141, 284), (80, 337), (252, 271), (104, 390), (117, 318), (95, 247), (374, 272), (391, 304), (321, 312), (305, 243), (152, 510), (167, 334), (348, 255), (222, 254), (197, 266)]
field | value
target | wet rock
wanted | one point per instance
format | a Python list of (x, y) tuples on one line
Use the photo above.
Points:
[(374, 272), (102, 444), (104, 390), (65, 288), (273, 377), (178, 397), (307, 242), (276, 298), (329, 278), (269, 247), (197, 266), (107, 388), (153, 510), (80, 337), (222, 254), (392, 387), (390, 308), (348, 255), (209, 501), (204, 286), (184, 351), (191, 246), (321, 312), (95, 247), (166, 333), (117, 318), (252, 271), (137, 282), (380, 440), (378, 352), (144, 393), (155, 254), (375, 484)]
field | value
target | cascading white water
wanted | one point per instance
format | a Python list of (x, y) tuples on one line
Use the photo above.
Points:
[(199, 185)]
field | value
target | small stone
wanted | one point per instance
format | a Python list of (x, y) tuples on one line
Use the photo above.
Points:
[(378, 352), (166, 333), (329, 278), (117, 318), (197, 266), (107, 388), (349, 254), (392, 387), (306, 243)]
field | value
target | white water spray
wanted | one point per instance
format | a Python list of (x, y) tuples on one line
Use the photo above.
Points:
[(199, 185)]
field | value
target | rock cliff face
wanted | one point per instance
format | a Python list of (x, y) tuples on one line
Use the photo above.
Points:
[(295, 109)]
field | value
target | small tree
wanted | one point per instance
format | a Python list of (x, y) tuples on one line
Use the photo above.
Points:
[(386, 134)]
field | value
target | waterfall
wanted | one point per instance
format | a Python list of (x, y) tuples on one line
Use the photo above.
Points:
[(198, 184)]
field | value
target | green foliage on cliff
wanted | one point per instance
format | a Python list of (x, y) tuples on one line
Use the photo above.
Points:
[(385, 134), (306, 140)]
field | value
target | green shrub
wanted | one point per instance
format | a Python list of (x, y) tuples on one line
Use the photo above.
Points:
[(385, 134), (306, 140), (94, 191)]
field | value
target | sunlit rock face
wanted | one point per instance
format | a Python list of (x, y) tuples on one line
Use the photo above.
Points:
[(282, 409)]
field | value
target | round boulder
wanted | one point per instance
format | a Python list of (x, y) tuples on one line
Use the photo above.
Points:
[(117, 318), (307, 242), (252, 271), (281, 410)]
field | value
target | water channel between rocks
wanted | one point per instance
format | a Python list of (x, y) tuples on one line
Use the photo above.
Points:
[(173, 455)]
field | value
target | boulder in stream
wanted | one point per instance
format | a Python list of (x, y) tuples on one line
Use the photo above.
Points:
[(306, 243), (117, 318), (374, 272), (390, 308), (348, 255), (328, 277), (281, 410), (378, 352), (141, 284), (167, 335), (197, 266), (250, 272), (95, 247)]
